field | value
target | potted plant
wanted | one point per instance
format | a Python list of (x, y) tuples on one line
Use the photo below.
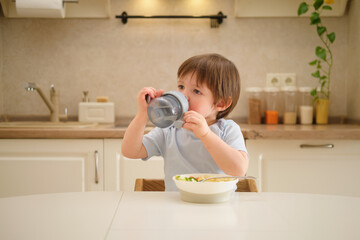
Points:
[(324, 61)]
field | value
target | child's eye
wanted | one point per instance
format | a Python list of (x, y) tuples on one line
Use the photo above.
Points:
[(197, 91), (181, 87)]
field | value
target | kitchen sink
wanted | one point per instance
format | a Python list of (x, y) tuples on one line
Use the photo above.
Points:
[(39, 124)]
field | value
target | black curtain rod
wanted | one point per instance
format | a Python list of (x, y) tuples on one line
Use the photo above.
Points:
[(215, 19)]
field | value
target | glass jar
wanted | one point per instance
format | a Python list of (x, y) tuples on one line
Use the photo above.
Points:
[(290, 101), (272, 105), (254, 104), (306, 109)]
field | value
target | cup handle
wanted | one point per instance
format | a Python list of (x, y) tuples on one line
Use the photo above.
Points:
[(178, 123), (147, 98)]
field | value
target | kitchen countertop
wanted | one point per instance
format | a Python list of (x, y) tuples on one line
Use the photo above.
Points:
[(162, 215), (331, 131)]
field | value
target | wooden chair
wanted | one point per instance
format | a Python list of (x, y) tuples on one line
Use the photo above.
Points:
[(143, 184), (246, 185)]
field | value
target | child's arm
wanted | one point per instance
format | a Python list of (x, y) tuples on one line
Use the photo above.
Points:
[(132, 146), (230, 160)]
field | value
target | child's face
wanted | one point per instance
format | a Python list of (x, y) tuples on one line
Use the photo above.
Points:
[(200, 98)]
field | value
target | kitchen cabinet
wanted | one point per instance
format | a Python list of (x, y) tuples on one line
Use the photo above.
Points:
[(82, 9), (281, 8), (121, 172), (35, 166), (285, 166)]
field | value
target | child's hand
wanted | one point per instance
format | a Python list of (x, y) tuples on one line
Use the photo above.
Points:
[(141, 97), (196, 123)]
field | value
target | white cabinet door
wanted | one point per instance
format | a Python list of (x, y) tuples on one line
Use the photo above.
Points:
[(82, 9), (35, 166), (121, 172), (285, 166)]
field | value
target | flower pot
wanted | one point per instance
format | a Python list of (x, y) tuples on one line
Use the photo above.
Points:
[(322, 111)]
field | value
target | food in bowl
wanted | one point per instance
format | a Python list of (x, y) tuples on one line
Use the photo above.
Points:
[(200, 178), (210, 191)]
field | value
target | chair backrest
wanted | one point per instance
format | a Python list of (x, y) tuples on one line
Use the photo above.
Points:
[(246, 185), (143, 184)]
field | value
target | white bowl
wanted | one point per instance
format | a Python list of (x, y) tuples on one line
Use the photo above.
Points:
[(205, 192)]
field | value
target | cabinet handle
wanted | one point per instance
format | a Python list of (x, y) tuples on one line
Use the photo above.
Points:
[(96, 166), (316, 145)]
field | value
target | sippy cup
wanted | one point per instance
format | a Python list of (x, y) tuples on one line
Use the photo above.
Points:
[(168, 109)]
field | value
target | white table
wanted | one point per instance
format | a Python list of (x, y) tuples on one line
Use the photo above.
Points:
[(58, 216), (156, 215)]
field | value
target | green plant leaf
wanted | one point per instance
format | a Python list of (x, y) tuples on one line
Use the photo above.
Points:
[(313, 63), (320, 52), (323, 84), (318, 3), (323, 77), (315, 99), (303, 8), (331, 37), (320, 30), (326, 7), (318, 65), (314, 18), (316, 74), (313, 92)]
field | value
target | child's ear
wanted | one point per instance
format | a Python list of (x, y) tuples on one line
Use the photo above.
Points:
[(222, 105)]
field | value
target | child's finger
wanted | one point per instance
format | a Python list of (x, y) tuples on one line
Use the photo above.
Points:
[(192, 119), (192, 113), (159, 93), (188, 114), (146, 94), (192, 116), (152, 92), (149, 91), (189, 126)]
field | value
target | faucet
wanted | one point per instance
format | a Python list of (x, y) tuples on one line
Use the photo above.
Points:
[(53, 104)]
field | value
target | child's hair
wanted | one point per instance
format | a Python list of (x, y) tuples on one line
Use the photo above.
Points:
[(218, 74)]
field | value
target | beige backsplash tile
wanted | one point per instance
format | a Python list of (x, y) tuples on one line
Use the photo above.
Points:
[(110, 59)]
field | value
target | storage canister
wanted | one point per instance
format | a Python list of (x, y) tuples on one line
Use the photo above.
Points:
[(306, 108), (254, 104), (272, 105), (290, 101)]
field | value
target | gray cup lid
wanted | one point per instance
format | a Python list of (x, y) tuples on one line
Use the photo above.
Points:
[(164, 111), (181, 98)]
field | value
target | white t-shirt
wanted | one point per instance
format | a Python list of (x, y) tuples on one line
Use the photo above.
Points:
[(184, 153)]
